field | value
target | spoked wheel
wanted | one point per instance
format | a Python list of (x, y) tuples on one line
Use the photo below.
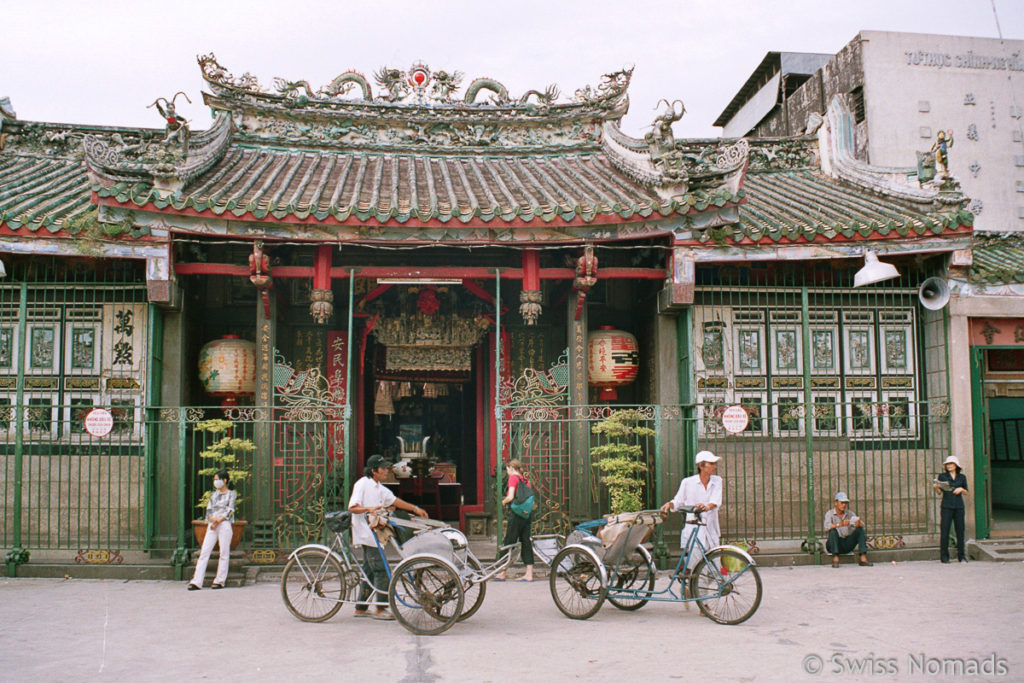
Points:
[(473, 592), (727, 586), (426, 595), (576, 585), (313, 585), (635, 573)]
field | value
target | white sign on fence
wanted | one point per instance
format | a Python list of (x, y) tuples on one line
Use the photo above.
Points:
[(99, 422), (735, 419)]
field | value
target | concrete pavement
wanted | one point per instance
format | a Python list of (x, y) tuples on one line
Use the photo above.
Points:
[(905, 621)]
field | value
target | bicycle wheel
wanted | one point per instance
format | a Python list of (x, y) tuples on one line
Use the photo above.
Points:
[(727, 586), (313, 585), (473, 592), (635, 573), (576, 585), (426, 595)]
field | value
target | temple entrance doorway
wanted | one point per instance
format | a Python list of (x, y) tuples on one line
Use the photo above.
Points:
[(425, 421)]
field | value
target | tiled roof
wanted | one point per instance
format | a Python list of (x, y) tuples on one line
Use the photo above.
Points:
[(45, 192), (266, 183), (803, 204), (41, 192), (998, 258)]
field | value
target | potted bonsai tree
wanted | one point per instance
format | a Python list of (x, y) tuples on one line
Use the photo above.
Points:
[(619, 460), (226, 453)]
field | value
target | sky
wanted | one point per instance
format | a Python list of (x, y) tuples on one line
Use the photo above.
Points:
[(103, 62)]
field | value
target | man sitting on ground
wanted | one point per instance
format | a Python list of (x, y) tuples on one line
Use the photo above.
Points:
[(845, 532)]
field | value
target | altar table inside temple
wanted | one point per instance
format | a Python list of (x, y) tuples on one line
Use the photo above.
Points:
[(441, 500)]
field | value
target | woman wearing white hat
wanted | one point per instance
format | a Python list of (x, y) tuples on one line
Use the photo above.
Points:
[(952, 486), (703, 490)]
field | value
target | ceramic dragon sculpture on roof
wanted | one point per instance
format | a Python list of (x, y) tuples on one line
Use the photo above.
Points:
[(419, 85), (670, 167)]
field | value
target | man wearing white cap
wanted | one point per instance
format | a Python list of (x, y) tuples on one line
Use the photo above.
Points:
[(845, 532), (952, 485), (703, 490)]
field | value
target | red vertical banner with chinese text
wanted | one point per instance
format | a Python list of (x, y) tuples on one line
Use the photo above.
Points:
[(337, 373)]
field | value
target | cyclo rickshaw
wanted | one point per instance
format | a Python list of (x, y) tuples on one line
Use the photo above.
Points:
[(606, 559), (436, 582)]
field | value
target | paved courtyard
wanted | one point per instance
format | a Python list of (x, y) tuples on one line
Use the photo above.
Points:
[(907, 621)]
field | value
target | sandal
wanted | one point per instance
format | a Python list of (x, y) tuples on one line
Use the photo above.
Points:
[(193, 587), (217, 586), (835, 562)]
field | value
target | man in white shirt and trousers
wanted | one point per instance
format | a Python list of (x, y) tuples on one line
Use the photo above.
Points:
[(370, 495), (704, 491)]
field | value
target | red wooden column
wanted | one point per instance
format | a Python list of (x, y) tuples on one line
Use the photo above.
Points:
[(529, 298), (321, 305)]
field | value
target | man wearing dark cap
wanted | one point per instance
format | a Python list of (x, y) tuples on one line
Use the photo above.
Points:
[(370, 495), (845, 532)]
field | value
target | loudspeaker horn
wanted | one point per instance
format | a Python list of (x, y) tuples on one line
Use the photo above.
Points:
[(934, 293)]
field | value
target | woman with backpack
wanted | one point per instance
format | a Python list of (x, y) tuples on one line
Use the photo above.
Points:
[(518, 527)]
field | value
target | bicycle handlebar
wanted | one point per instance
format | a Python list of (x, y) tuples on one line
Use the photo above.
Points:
[(691, 510)]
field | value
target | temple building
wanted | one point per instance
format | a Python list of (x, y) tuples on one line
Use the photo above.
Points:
[(454, 277)]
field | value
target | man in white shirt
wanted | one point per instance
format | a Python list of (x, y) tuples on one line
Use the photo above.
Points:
[(703, 491), (370, 495)]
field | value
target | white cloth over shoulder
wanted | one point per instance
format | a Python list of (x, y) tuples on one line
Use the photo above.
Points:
[(367, 493), (691, 492)]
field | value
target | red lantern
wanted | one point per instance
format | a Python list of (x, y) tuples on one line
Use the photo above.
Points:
[(614, 360), (227, 368)]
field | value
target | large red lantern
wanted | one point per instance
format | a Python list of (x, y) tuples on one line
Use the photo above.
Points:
[(227, 368), (614, 360)]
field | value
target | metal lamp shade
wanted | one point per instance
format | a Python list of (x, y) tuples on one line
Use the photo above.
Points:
[(874, 271)]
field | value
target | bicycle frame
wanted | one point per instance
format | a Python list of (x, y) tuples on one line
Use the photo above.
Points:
[(676, 590), (343, 551)]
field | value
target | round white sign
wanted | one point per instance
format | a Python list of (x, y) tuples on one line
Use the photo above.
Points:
[(99, 422), (735, 419)]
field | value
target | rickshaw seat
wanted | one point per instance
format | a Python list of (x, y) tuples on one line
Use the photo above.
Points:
[(625, 531)]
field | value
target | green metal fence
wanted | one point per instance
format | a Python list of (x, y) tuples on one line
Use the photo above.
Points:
[(286, 508), (73, 338), (777, 481)]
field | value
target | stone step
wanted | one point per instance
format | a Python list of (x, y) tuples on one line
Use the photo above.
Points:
[(997, 550)]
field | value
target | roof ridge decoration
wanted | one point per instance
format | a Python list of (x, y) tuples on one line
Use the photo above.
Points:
[(835, 144), (167, 164), (417, 86), (417, 110), (669, 167)]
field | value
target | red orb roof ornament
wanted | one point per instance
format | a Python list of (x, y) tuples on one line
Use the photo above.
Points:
[(419, 76)]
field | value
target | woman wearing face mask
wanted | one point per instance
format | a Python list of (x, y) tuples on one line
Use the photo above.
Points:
[(220, 513)]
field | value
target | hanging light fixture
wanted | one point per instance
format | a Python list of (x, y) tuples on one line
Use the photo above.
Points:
[(874, 271)]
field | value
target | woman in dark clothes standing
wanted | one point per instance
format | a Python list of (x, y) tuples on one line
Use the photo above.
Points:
[(952, 507)]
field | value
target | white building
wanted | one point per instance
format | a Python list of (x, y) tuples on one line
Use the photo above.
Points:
[(903, 89)]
